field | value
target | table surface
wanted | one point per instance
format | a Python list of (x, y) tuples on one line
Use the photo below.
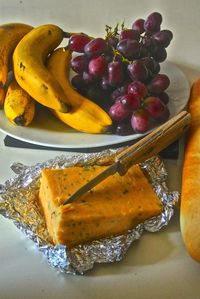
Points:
[(157, 265)]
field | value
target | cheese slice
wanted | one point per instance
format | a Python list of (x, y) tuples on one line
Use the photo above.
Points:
[(114, 206)]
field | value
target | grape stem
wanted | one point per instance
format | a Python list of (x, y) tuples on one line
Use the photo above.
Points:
[(114, 32), (116, 52)]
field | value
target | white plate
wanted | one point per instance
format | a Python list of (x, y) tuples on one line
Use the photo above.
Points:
[(48, 131)]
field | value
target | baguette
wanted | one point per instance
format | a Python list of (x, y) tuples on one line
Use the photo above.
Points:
[(190, 191)]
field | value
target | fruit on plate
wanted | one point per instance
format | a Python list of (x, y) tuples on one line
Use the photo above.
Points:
[(29, 66), (85, 115), (19, 107), (124, 70), (10, 35), (117, 85)]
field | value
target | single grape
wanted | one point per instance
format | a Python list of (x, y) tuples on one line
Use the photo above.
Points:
[(153, 22), (77, 82), (138, 71), (129, 34), (160, 55), (116, 94), (79, 64), (164, 117), (128, 48), (97, 95), (97, 66), (77, 42), (92, 92), (115, 73), (88, 78), (105, 83), (140, 121), (129, 101), (138, 25), (154, 106), (143, 52), (159, 83), (108, 57), (120, 91), (150, 44), (96, 47), (164, 97), (118, 112), (113, 41), (124, 88), (156, 68), (124, 128), (138, 89), (149, 63), (163, 37)]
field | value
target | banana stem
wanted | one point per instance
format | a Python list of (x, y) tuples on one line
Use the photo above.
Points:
[(69, 34)]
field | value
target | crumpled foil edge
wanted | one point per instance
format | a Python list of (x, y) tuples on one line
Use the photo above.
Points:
[(17, 199)]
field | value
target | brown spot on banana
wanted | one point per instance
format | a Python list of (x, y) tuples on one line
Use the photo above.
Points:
[(45, 87), (19, 120), (22, 66)]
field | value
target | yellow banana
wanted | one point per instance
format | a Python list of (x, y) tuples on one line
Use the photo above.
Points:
[(19, 107), (29, 66), (10, 35), (85, 115)]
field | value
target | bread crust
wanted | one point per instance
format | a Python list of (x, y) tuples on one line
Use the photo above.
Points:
[(190, 193)]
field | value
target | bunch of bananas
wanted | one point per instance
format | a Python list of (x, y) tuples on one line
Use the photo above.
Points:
[(41, 74)]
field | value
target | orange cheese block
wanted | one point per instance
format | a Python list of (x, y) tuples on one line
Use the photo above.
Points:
[(113, 207)]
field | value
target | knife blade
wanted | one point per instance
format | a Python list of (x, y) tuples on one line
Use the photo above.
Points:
[(142, 150)]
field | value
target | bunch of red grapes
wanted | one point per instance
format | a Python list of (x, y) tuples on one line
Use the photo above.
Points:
[(121, 73)]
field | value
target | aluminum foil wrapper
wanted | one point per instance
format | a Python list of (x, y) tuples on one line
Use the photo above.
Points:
[(18, 203)]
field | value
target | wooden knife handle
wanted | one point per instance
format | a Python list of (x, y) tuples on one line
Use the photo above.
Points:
[(154, 142)]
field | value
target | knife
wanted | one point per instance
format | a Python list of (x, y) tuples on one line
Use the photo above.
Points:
[(142, 150)]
